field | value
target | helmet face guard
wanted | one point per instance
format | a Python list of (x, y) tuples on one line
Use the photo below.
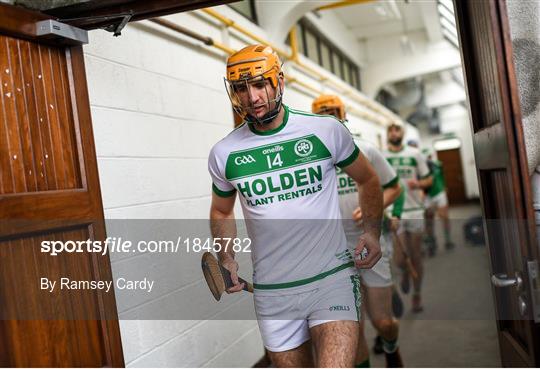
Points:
[(241, 95)]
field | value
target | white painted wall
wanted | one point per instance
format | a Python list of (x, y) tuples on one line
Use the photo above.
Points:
[(158, 105), (388, 62), (334, 29)]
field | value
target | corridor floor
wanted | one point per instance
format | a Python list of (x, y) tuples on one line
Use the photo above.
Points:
[(457, 327)]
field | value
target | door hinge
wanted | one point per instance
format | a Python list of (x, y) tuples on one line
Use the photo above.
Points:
[(534, 283)]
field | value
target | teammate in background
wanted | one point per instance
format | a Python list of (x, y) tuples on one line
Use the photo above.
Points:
[(436, 203), (412, 168), (377, 281), (281, 162)]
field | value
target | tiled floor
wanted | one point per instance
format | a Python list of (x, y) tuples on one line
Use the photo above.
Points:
[(457, 328)]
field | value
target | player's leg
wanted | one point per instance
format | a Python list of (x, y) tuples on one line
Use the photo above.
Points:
[(334, 312), (429, 215), (415, 250), (287, 342), (403, 239), (335, 343), (362, 350), (442, 212), (299, 357), (378, 301), (284, 331), (378, 285)]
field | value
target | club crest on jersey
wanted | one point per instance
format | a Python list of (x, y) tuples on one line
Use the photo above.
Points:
[(245, 159), (303, 147)]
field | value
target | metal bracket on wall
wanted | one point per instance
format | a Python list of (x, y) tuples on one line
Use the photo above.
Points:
[(116, 28), (54, 30)]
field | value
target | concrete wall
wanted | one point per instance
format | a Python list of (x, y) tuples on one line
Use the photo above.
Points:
[(524, 22), (158, 105)]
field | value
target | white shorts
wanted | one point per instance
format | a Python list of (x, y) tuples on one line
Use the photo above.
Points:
[(412, 221), (438, 201), (379, 275), (284, 319)]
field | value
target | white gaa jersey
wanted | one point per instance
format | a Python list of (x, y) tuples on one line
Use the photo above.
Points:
[(286, 182), (409, 163), (348, 192)]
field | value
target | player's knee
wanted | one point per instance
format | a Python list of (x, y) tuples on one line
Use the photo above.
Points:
[(386, 326)]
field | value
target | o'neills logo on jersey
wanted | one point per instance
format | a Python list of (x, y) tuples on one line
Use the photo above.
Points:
[(272, 150), (245, 159)]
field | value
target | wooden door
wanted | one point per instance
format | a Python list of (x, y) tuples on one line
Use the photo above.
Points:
[(502, 171), (453, 175), (49, 190)]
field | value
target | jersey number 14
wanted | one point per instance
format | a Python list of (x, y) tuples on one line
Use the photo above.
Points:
[(276, 162)]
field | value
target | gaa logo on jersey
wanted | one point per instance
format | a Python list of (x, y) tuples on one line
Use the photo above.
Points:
[(244, 159), (303, 147)]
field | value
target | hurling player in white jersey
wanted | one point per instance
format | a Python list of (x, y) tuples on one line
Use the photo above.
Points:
[(377, 281), (412, 168), (281, 164)]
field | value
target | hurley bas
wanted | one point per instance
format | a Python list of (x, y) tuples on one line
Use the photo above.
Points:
[(65, 283)]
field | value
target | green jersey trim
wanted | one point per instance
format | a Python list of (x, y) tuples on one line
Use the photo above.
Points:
[(357, 294), (272, 131), (305, 113), (301, 282), (392, 183), (399, 203), (398, 151), (220, 193), (350, 159)]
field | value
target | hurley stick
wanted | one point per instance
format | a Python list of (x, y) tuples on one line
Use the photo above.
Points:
[(217, 277)]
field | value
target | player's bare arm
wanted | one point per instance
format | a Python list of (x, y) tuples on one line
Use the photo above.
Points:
[(371, 203), (421, 183), (390, 194), (222, 225)]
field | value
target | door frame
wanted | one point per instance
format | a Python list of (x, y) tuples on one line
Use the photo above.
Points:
[(486, 139), (48, 208)]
